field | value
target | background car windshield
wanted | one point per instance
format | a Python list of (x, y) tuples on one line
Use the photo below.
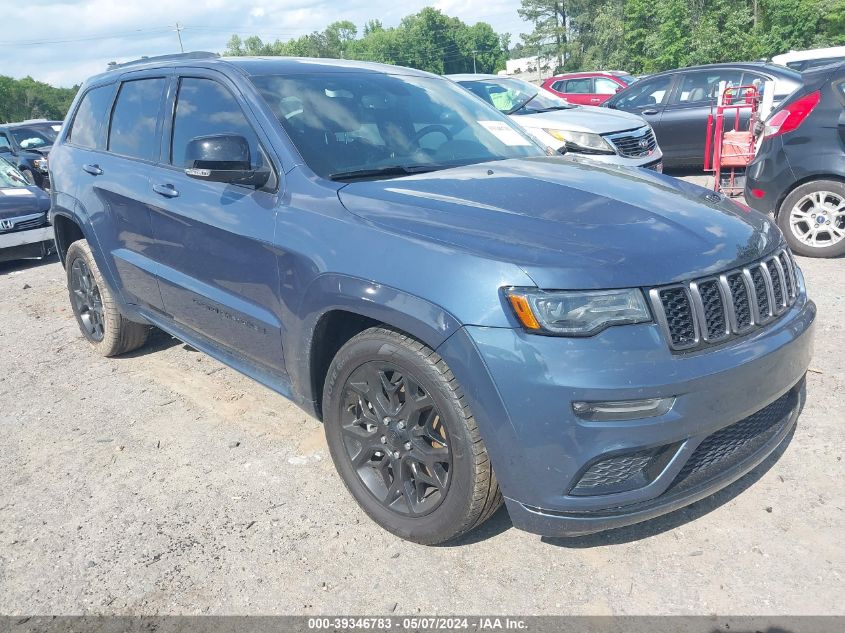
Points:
[(9, 176), (342, 122), (515, 96), (31, 137)]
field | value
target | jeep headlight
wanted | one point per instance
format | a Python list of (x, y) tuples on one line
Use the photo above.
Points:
[(576, 312), (585, 142)]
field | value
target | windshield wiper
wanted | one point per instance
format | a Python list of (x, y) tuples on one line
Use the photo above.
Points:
[(558, 107), (393, 171), (523, 104)]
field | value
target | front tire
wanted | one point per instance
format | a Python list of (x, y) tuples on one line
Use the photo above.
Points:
[(404, 440), (812, 218), (102, 325)]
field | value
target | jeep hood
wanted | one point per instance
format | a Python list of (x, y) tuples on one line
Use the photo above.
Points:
[(570, 225)]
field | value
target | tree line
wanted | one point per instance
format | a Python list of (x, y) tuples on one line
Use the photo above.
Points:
[(645, 36), (22, 99), (428, 40)]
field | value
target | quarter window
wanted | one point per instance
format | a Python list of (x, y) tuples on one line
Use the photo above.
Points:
[(135, 117), (92, 111), (205, 107)]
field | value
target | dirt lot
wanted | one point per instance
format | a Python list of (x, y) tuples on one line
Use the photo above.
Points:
[(163, 482)]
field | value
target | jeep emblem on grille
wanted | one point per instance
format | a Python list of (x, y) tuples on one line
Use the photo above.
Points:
[(6, 225)]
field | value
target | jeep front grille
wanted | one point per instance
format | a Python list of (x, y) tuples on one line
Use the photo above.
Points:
[(714, 309)]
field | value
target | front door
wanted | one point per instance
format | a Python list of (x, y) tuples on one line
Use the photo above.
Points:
[(214, 242)]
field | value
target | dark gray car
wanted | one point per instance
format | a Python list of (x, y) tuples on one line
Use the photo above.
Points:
[(676, 103)]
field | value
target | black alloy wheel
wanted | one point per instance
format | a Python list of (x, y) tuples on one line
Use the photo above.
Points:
[(88, 303), (396, 439)]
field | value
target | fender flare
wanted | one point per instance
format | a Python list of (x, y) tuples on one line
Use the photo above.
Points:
[(332, 292)]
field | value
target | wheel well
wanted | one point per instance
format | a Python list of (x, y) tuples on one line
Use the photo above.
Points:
[(67, 232), (804, 181), (333, 330)]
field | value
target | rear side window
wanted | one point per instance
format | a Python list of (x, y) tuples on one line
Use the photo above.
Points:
[(583, 85), (206, 107), (701, 87), (135, 117), (85, 129)]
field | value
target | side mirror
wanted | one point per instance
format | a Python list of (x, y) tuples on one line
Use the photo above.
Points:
[(5, 149), (619, 89), (223, 158)]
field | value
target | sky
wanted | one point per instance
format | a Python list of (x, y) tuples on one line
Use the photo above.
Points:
[(63, 42)]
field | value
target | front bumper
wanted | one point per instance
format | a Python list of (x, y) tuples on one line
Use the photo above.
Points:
[(23, 244), (541, 450)]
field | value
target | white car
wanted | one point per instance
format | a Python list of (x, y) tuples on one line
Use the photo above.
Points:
[(807, 60), (604, 135)]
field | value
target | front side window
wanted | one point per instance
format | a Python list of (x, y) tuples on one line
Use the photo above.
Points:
[(205, 107), (92, 111), (605, 86), (135, 117), (645, 93), (353, 122)]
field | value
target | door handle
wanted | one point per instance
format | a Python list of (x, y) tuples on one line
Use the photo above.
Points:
[(649, 112), (94, 170), (168, 191), (595, 99)]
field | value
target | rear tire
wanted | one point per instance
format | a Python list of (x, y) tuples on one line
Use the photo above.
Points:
[(799, 215), (102, 325), (404, 440)]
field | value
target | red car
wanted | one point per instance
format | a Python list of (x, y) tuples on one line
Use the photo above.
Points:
[(589, 88)]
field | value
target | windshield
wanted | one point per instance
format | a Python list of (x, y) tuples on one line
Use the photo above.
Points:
[(515, 96), (9, 176), (33, 136), (365, 122)]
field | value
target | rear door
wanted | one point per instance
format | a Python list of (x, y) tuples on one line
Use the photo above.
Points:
[(684, 120), (214, 241), (111, 149)]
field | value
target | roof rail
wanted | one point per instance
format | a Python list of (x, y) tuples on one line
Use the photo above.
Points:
[(162, 58)]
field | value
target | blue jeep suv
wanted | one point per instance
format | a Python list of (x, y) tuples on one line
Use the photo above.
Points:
[(472, 320)]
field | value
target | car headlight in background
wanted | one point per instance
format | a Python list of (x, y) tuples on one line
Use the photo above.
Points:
[(582, 141), (577, 312), (40, 164)]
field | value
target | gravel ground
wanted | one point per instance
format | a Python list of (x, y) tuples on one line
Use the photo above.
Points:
[(165, 483)]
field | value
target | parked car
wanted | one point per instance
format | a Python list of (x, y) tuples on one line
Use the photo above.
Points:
[(389, 252), (27, 145), (25, 229), (588, 88), (799, 170), (602, 135), (808, 60), (677, 103)]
